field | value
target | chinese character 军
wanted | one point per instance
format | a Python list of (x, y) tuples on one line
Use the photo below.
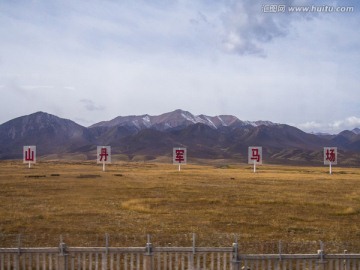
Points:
[(179, 155)]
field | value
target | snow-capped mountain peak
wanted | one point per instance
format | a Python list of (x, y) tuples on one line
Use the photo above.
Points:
[(177, 118)]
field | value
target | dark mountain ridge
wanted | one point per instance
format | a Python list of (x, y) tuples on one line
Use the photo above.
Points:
[(177, 119), (206, 137)]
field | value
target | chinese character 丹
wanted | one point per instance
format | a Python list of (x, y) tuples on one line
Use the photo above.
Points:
[(103, 154), (255, 155), (330, 155), (29, 155), (179, 155)]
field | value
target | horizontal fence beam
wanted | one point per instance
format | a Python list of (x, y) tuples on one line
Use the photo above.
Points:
[(56, 250), (192, 249), (106, 250), (49, 250), (298, 256)]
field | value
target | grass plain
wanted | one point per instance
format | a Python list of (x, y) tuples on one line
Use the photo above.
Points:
[(133, 199)]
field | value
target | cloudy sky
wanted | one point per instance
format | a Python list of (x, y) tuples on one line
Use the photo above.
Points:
[(94, 60)]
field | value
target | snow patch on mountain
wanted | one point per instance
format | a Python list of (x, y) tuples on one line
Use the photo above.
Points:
[(211, 123), (188, 117), (222, 121), (356, 130), (146, 121)]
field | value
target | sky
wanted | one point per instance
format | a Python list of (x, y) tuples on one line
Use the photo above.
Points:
[(94, 60)]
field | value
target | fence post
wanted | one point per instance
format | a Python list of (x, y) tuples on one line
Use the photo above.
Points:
[(321, 262), (148, 256), (62, 257), (235, 257), (104, 256)]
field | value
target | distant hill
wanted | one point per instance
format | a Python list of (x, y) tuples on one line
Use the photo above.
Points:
[(50, 133), (206, 137)]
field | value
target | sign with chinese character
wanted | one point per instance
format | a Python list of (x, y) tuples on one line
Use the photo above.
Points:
[(330, 155), (179, 156), (29, 154), (104, 155), (255, 155)]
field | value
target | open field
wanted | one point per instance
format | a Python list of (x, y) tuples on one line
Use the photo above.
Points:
[(133, 199)]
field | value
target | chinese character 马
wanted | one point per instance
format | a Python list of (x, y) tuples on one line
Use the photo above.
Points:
[(255, 154)]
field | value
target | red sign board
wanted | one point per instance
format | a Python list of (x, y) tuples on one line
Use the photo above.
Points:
[(255, 155), (104, 154), (29, 154), (179, 156), (330, 155)]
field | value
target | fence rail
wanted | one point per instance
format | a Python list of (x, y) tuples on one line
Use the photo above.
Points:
[(167, 258)]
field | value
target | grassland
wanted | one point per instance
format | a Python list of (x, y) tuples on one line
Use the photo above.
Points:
[(134, 199)]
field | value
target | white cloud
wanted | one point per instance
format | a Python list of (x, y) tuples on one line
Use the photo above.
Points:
[(91, 106), (135, 57), (334, 127), (248, 27)]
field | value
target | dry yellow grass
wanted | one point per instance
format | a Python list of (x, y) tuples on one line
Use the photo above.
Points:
[(133, 199)]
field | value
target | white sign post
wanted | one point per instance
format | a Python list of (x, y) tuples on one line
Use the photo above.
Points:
[(104, 155), (29, 154), (255, 156), (179, 156), (330, 157)]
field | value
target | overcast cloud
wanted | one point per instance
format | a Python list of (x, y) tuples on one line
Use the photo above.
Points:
[(94, 60)]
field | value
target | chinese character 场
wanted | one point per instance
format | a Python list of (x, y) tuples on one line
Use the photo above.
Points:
[(330, 155), (255, 154), (179, 155), (103, 154)]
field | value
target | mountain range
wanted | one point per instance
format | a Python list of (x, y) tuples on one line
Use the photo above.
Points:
[(147, 137)]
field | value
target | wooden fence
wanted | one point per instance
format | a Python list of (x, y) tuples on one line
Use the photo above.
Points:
[(167, 258)]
